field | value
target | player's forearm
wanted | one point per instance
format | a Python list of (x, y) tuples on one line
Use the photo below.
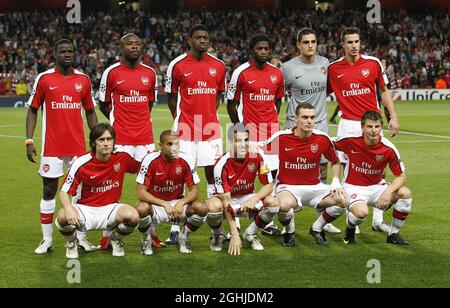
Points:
[(336, 170), (104, 108), (191, 196), (30, 125), (231, 222), (218, 99), (64, 199), (278, 105), (265, 191), (172, 103), (143, 195), (386, 100), (232, 112), (91, 118), (397, 183)]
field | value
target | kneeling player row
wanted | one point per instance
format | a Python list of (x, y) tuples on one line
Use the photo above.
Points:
[(95, 180)]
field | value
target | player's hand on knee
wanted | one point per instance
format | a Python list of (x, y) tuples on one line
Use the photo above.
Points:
[(72, 216), (342, 199), (385, 200)]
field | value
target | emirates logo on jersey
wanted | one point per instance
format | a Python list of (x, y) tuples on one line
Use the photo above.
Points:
[(212, 71), (251, 167), (46, 168), (144, 80), (117, 167), (379, 157), (178, 170), (323, 70), (365, 72), (314, 147), (78, 87), (273, 78)]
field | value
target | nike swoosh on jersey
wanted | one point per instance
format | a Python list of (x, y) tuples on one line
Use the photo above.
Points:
[(289, 149), (251, 81), (297, 77), (339, 76), (119, 82), (231, 176), (187, 74), (93, 176), (53, 88), (157, 173)]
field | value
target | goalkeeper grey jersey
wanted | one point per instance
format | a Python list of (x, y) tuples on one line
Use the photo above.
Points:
[(308, 84)]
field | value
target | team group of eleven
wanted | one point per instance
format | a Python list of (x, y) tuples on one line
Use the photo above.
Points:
[(291, 164)]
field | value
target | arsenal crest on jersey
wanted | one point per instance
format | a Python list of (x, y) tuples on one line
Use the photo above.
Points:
[(379, 157), (212, 71), (178, 170), (314, 147), (365, 72), (273, 78), (78, 87), (323, 70), (144, 80), (251, 167), (46, 167), (117, 167)]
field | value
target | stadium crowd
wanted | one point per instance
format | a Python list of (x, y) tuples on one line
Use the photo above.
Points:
[(415, 46)]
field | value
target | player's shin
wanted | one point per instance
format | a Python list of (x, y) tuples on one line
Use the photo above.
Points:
[(47, 210), (353, 221), (262, 219), (377, 217), (399, 214), (214, 220), (287, 220), (144, 227), (69, 231), (328, 215), (193, 223)]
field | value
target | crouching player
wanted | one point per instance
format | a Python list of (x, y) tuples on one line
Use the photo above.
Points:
[(95, 180), (235, 175), (160, 190), (368, 157), (300, 150)]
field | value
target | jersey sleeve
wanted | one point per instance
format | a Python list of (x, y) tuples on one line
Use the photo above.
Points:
[(222, 81), (280, 89), (88, 96), (382, 79), (155, 99), (395, 163), (133, 166), (172, 79), (191, 177), (285, 73), (145, 176), (330, 154), (71, 181), (105, 87), (221, 177), (37, 94), (341, 145), (235, 88), (264, 174)]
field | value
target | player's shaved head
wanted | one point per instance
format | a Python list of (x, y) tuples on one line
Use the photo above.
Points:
[(258, 38), (127, 36), (349, 31), (166, 134), (371, 115), (198, 27), (60, 42), (303, 106)]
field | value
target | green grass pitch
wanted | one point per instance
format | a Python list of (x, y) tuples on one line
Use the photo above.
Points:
[(425, 263)]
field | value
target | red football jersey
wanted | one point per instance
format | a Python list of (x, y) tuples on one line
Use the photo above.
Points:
[(130, 93), (256, 91), (366, 164), (197, 84), (95, 183), (355, 85), (300, 158), (165, 180), (61, 99), (238, 177)]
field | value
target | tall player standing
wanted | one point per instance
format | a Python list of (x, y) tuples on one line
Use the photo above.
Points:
[(61, 92), (306, 79), (128, 90), (254, 99), (354, 79), (195, 82)]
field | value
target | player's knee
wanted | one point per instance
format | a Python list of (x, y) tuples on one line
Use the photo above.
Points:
[(285, 204), (143, 209), (270, 201), (200, 208), (129, 215), (360, 212), (61, 217), (404, 193), (214, 205)]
